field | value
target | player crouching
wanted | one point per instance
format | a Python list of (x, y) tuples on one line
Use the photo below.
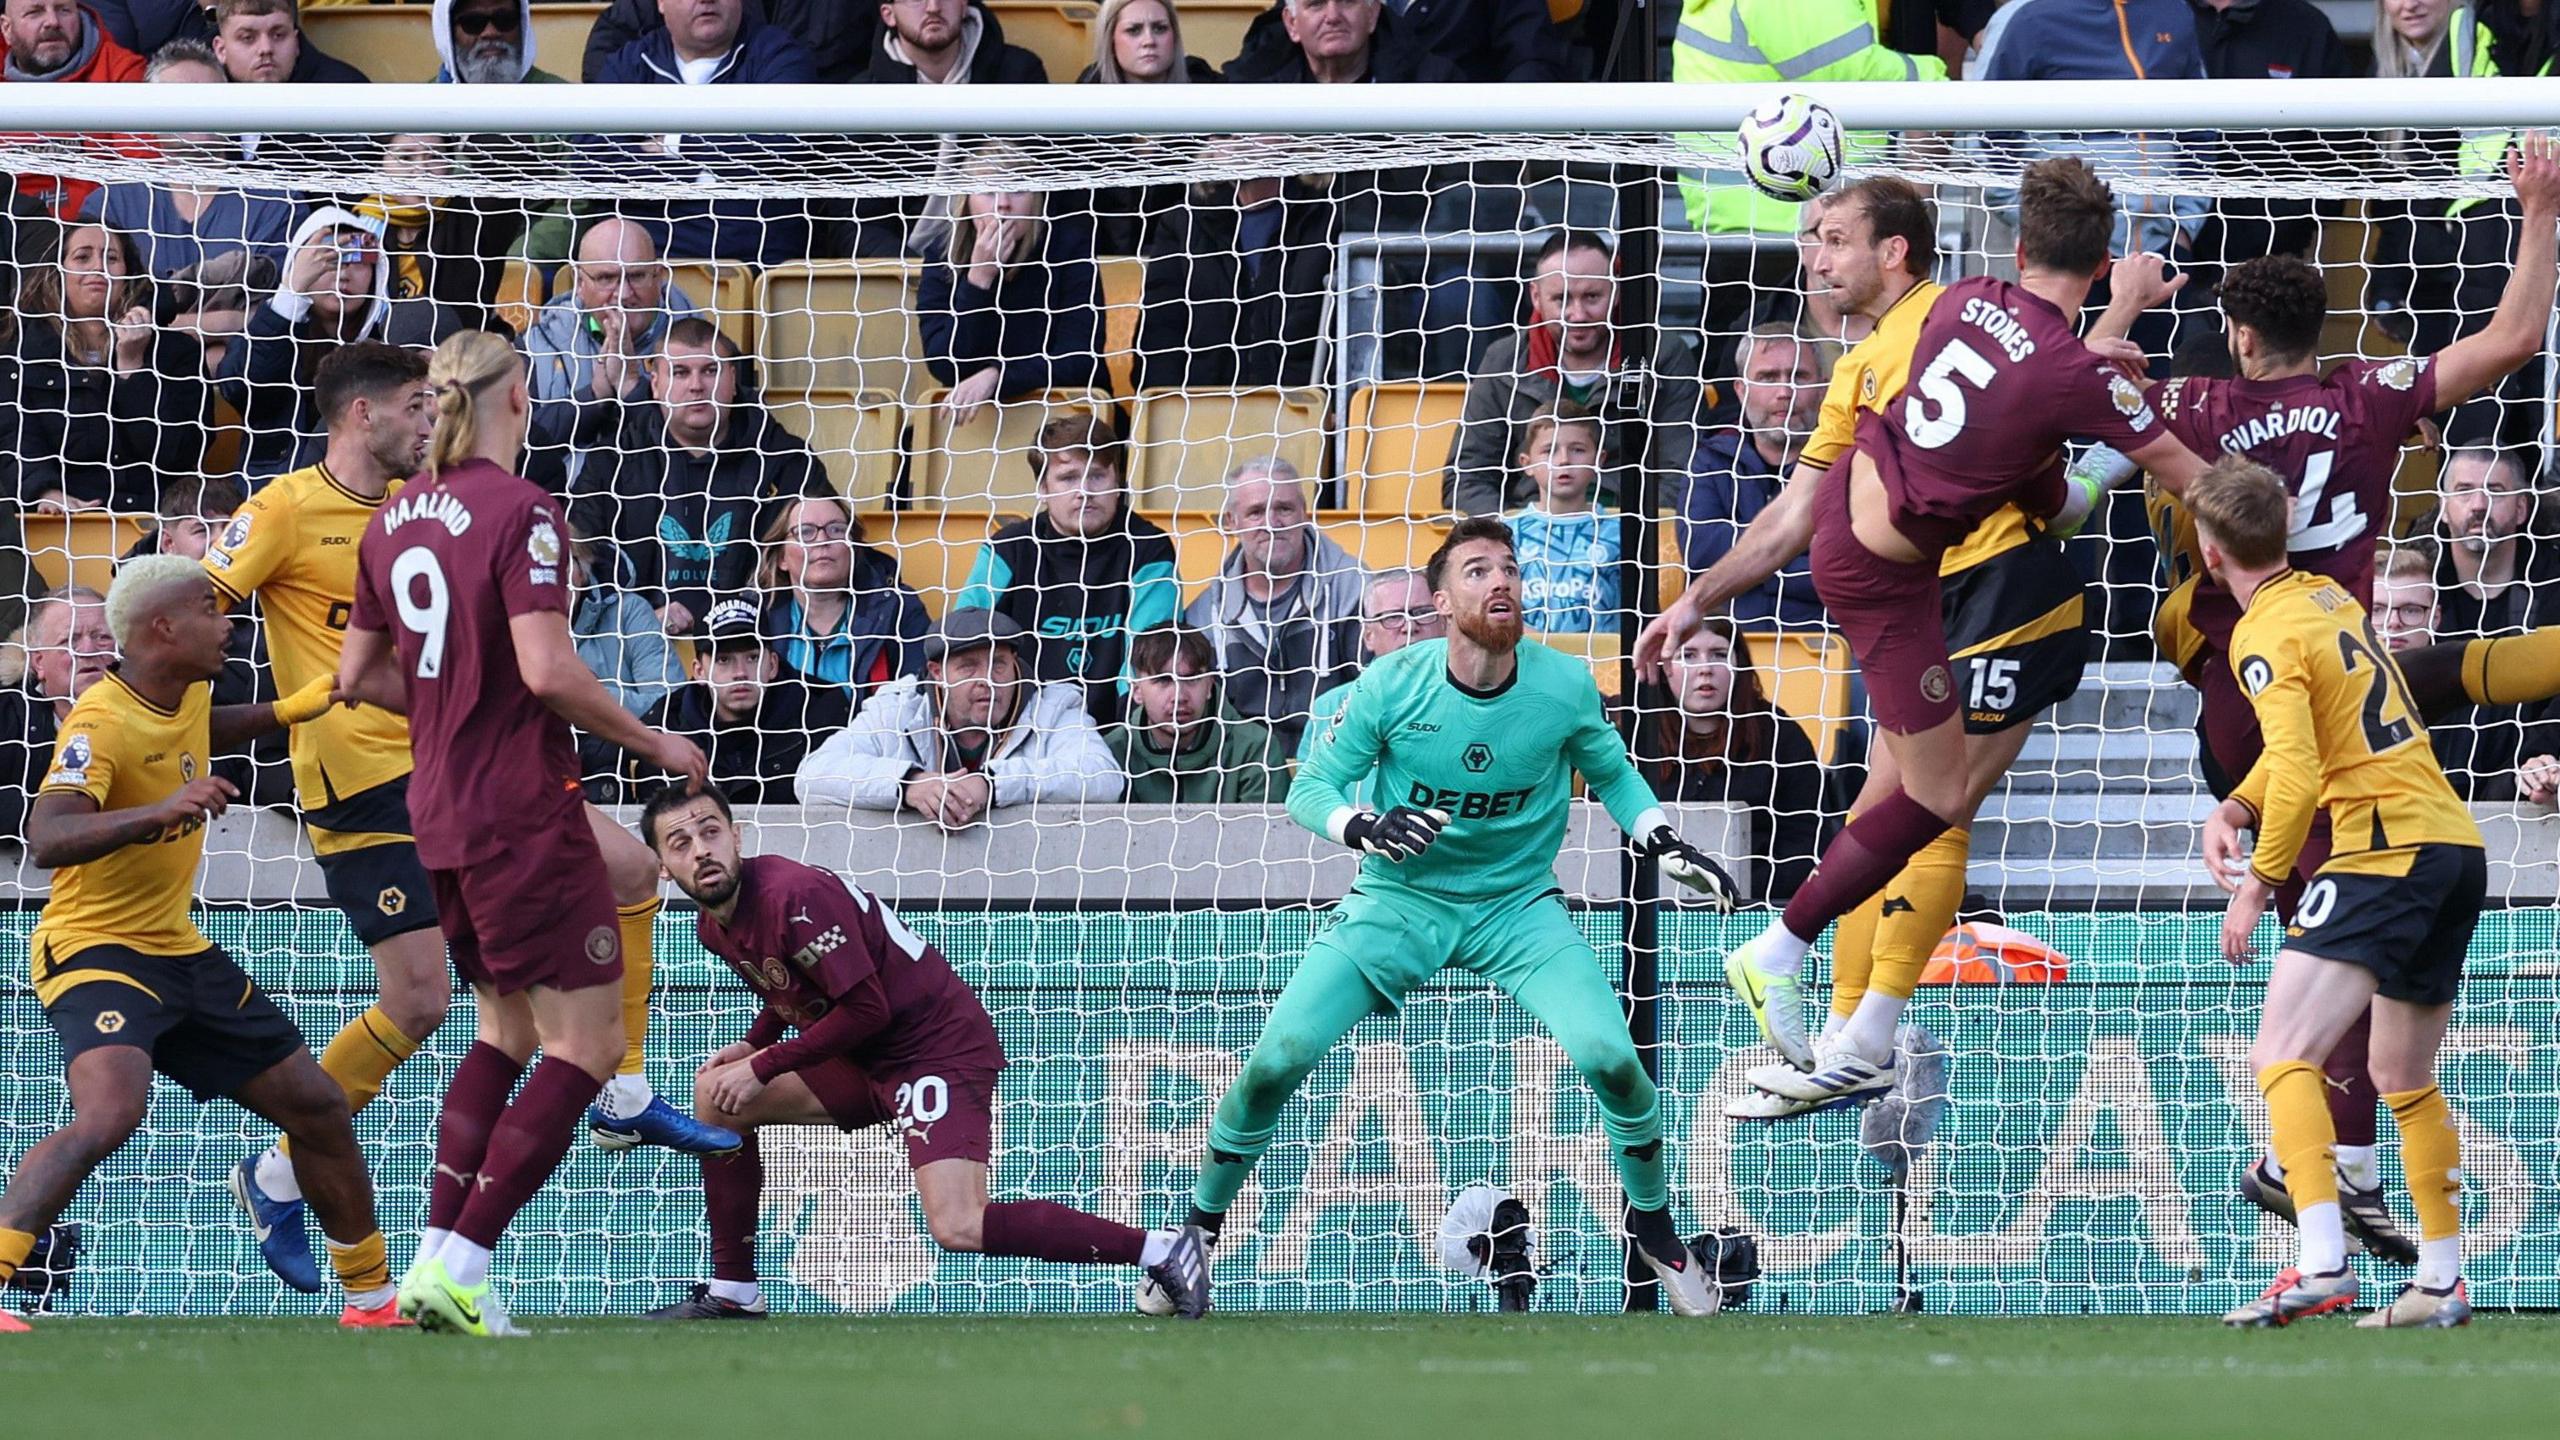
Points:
[(888, 1035), (129, 983), (2384, 924)]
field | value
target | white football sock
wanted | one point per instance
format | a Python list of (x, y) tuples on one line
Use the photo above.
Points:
[(2275, 1167), (626, 1096), (1870, 1031), (275, 1175), (2440, 1262), (1833, 1022), (430, 1240), (2358, 1167), (1778, 951), (738, 1292), (1159, 1244), (373, 1299), (468, 1264), (2324, 1239)]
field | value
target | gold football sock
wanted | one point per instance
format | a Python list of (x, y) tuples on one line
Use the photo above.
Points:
[(15, 1247), (2299, 1131), (2512, 669), (363, 1266), (363, 1054), (1917, 909), (2431, 1153), (639, 964)]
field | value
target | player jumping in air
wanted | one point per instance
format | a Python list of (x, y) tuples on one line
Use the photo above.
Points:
[(293, 546), (462, 619), (128, 981), (1474, 742), (887, 1035), (2387, 918), (2012, 607), (2334, 441)]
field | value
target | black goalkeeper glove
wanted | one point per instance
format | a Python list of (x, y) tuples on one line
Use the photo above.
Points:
[(1400, 834), (1690, 866)]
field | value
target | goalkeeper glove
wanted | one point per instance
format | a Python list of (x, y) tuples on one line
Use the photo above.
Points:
[(1690, 866), (308, 703), (1400, 834)]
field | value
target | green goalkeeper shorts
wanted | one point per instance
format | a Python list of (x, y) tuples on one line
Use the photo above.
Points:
[(1399, 937)]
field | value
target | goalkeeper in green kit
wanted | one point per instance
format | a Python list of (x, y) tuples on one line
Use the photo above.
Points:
[(1472, 743)]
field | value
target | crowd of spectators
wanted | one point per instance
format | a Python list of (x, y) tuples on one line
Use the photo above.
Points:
[(728, 590)]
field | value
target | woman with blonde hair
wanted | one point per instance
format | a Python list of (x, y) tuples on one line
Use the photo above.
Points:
[(461, 619), (1013, 306), (1136, 42)]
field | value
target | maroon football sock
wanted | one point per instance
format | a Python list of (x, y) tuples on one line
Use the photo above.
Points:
[(732, 1194), (1045, 1230), (526, 1147), (2353, 1098), (1859, 860), (472, 1104)]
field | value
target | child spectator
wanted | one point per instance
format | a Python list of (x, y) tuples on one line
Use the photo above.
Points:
[(193, 509), (1182, 743), (1568, 548)]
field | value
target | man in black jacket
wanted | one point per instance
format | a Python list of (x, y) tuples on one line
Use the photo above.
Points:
[(837, 32), (68, 648), (946, 42), (754, 725), (685, 474), (2264, 40), (261, 42), (1484, 41)]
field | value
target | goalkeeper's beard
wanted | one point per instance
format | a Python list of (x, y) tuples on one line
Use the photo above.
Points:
[(1500, 636)]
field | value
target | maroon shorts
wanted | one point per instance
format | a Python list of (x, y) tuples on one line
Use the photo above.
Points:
[(939, 1111), (538, 913), (1889, 612)]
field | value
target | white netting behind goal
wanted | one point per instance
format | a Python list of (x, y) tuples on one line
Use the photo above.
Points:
[(807, 395)]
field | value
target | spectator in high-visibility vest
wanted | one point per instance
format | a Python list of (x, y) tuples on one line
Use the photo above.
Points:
[(1742, 42)]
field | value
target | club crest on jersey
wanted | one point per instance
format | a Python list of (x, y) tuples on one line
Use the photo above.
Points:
[(1867, 387), (2256, 675), (2399, 374), (1478, 758), (186, 767), (392, 900)]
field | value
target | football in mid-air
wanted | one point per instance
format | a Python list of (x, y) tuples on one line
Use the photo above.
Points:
[(1790, 148)]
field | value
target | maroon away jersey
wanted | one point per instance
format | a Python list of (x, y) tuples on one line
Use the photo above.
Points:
[(805, 939), (2334, 440), (1998, 383), (444, 566)]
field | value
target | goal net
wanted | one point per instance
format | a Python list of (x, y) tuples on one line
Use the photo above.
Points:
[(815, 369)]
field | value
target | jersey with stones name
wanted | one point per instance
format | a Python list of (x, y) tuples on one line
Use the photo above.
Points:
[(1999, 381), (446, 567), (2333, 439), (805, 939), (1501, 764)]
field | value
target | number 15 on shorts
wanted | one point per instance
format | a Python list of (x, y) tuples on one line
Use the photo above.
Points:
[(1995, 684)]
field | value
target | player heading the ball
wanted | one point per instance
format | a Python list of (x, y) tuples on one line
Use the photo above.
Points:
[(886, 1035)]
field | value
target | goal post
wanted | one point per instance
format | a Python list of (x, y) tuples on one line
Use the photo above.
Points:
[(1348, 281)]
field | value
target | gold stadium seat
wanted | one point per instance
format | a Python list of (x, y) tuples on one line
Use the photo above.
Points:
[(934, 547), (1198, 548), (1806, 673), (841, 325), (394, 43), (987, 462), (1600, 648), (1123, 281), (727, 288), (521, 289), (80, 548), (1396, 446), (855, 433), (1183, 442)]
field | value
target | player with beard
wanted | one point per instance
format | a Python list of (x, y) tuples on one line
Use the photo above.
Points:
[(887, 1035), (1474, 741)]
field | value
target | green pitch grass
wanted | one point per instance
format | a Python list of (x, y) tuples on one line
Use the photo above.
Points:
[(1325, 1376)]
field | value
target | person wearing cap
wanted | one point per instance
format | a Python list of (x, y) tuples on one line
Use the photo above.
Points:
[(752, 723), (974, 734)]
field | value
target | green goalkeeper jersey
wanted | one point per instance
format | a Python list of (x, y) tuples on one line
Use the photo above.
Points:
[(1500, 764)]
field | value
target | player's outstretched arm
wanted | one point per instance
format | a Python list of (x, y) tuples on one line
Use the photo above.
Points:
[(233, 725), (1340, 752), (2514, 333), (548, 660), (1775, 536), (68, 828)]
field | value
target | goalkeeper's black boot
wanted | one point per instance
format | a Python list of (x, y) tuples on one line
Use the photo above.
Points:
[(1687, 1289), (700, 1304), (1514, 1280)]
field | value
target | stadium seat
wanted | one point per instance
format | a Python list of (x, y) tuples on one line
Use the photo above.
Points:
[(986, 462), (1060, 31), (934, 547), (80, 548), (856, 434), (1123, 280), (1397, 445), (521, 291), (1183, 442), (726, 287), (1806, 673), (841, 325), (396, 43)]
